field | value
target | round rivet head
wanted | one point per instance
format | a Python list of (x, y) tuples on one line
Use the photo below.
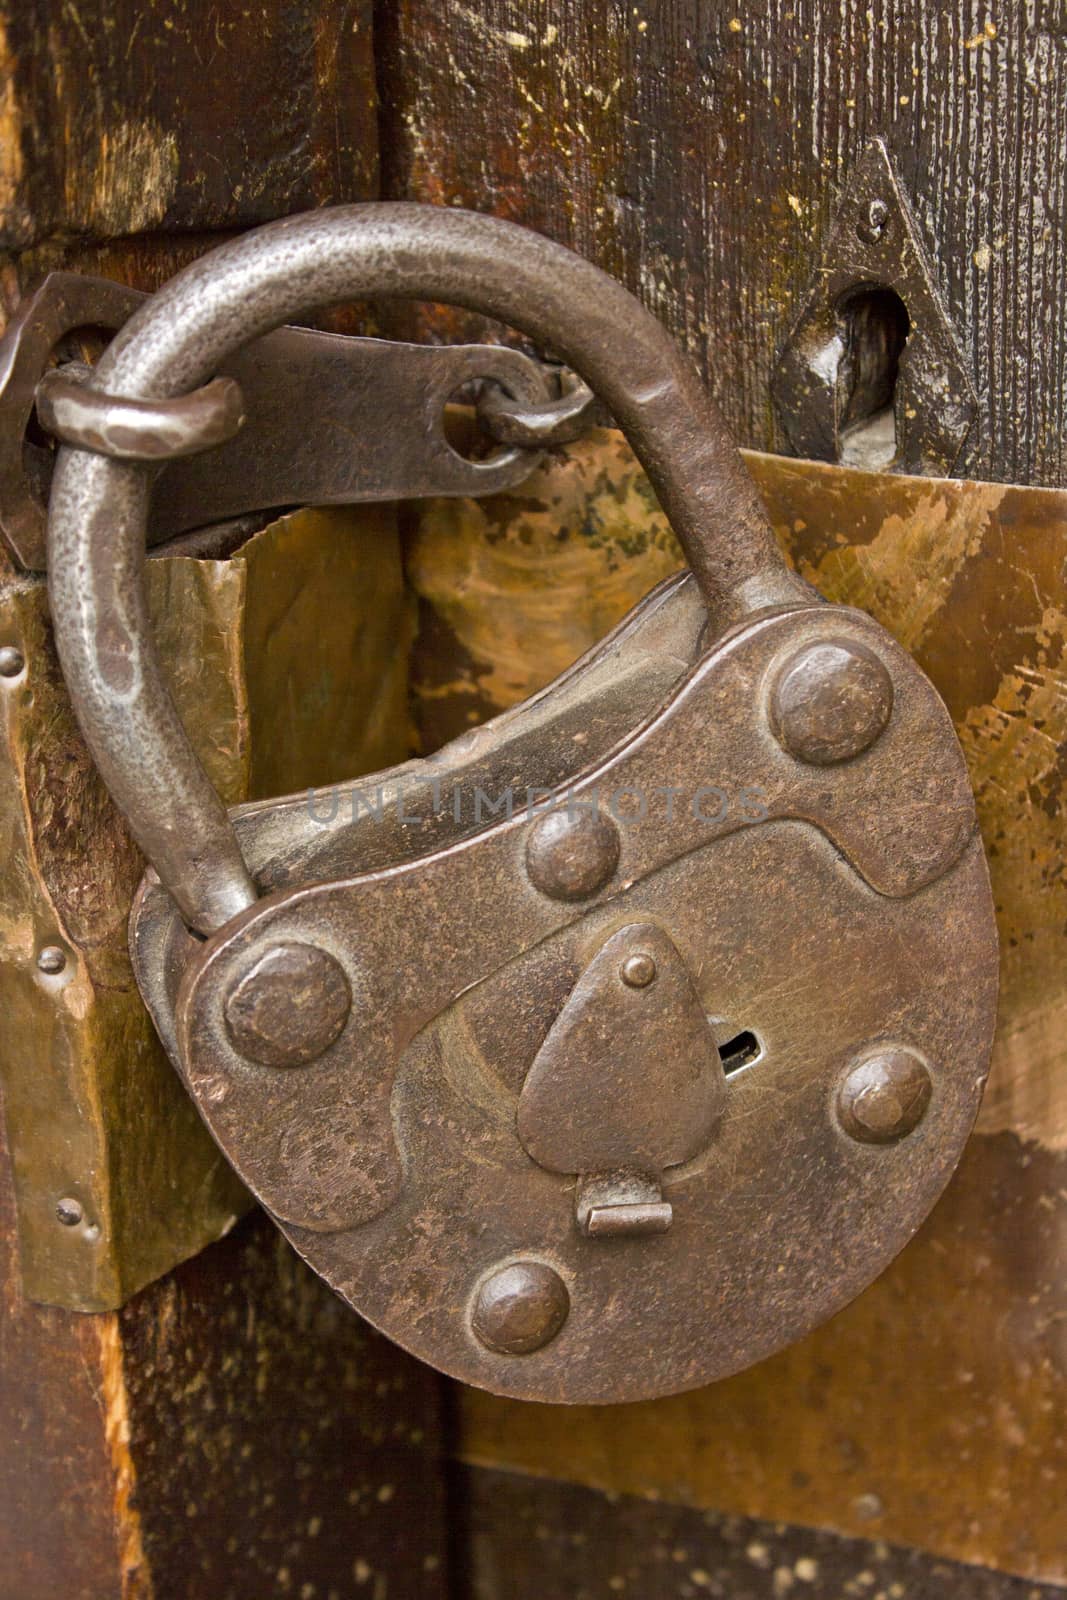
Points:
[(572, 854), (884, 1095), (638, 970), (830, 702), (872, 227), (289, 1006), (12, 661), (51, 959), (520, 1307), (69, 1212)]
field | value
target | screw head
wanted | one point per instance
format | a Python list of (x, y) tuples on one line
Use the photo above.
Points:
[(638, 970), (571, 854), (288, 1006), (831, 701), (69, 1212), (520, 1307), (51, 959), (12, 661), (884, 1095)]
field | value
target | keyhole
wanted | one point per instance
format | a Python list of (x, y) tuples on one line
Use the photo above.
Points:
[(875, 328)]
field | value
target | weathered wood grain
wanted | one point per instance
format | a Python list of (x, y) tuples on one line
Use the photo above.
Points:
[(233, 1433), (128, 119), (280, 1446), (695, 149), (524, 1540)]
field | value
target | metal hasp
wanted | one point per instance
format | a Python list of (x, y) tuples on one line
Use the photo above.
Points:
[(301, 417), (627, 1038), (871, 373)]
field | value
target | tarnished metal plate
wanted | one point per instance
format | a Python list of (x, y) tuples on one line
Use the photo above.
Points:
[(95, 1118), (849, 916)]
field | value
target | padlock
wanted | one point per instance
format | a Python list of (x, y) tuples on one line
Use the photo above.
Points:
[(627, 1038)]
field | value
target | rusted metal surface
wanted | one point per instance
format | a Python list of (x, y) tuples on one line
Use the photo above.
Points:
[(138, 430), (830, 702), (512, 590), (377, 1187), (627, 1083), (955, 1354), (391, 397), (560, 421), (341, 976), (852, 385)]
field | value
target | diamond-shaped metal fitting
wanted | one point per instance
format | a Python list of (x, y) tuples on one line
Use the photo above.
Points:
[(873, 245)]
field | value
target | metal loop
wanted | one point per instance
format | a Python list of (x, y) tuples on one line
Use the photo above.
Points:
[(252, 284), (137, 430), (555, 422)]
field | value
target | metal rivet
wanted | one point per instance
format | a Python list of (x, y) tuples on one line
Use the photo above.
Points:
[(520, 1307), (874, 223), (831, 701), (571, 854), (69, 1212), (12, 661), (51, 959), (884, 1095), (289, 1006), (638, 970)]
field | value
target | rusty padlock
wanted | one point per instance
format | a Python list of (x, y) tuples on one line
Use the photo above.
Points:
[(607, 1085)]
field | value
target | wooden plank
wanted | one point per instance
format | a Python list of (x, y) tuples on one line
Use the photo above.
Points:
[(233, 1432), (524, 1540), (279, 1445), (121, 118), (695, 150), (59, 1532)]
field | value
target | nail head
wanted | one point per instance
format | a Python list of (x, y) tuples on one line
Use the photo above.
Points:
[(884, 1095), (289, 1005), (572, 854), (638, 970), (831, 701), (520, 1307), (51, 959)]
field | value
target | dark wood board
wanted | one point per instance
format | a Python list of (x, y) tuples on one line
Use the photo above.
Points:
[(118, 117), (694, 148), (532, 1539)]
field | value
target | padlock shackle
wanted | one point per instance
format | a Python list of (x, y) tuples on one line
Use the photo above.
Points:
[(245, 288)]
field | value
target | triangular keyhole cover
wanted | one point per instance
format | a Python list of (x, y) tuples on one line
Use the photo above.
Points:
[(629, 1076)]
